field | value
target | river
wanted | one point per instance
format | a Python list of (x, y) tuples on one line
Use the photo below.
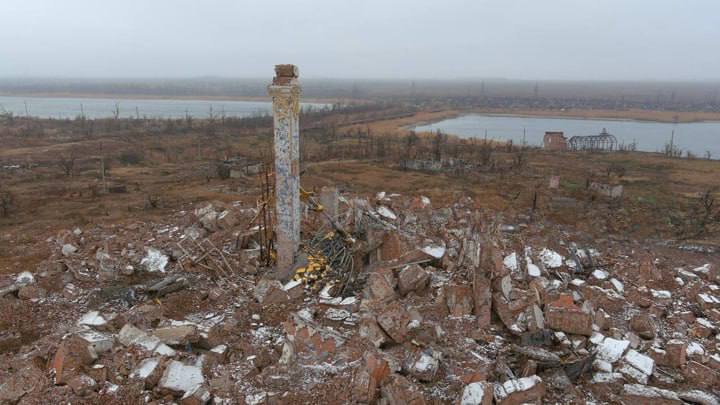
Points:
[(63, 107), (699, 138)]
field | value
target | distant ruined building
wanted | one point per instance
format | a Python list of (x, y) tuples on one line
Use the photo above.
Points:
[(601, 142), (554, 140)]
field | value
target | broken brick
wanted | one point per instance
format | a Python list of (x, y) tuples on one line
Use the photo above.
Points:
[(394, 320), (71, 357), (564, 315), (459, 300), (412, 278)]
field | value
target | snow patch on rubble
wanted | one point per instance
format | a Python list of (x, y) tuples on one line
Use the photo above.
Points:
[(695, 348), (510, 261), (509, 387), (181, 378), (435, 251), (577, 282), (600, 274), (92, 318), (704, 269), (24, 278), (154, 261), (551, 259), (473, 394), (145, 368), (605, 378), (661, 294), (704, 322), (649, 392), (637, 366), (611, 350), (386, 212)]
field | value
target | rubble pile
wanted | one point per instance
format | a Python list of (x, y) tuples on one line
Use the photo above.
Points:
[(398, 302)]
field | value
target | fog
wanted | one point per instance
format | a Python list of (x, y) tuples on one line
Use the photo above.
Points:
[(449, 39)]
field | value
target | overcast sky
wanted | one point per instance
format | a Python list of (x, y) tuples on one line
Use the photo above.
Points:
[(523, 39)]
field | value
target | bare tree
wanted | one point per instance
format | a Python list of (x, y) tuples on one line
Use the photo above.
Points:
[(6, 201), (67, 162)]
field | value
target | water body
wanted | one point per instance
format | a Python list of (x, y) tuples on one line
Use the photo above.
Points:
[(649, 136), (60, 107)]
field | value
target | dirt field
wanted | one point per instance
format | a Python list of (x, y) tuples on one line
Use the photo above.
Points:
[(84, 205)]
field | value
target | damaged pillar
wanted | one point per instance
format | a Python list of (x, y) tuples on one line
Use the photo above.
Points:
[(285, 93)]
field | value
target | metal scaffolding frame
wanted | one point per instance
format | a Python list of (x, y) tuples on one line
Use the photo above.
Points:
[(600, 142)]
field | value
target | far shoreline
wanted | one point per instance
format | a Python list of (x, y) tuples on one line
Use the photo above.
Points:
[(120, 97)]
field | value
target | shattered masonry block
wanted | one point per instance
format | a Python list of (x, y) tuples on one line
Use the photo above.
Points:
[(132, 336), (643, 325), (423, 365), (482, 297), (412, 278), (459, 300), (502, 309), (391, 248), (701, 376), (379, 288), (519, 391), (639, 394), (177, 334), (149, 371), (611, 350), (699, 397), (400, 390), (394, 321), (477, 393), (367, 380), (675, 353), (179, 378), (71, 357), (197, 396), (269, 292), (101, 342), (564, 315), (82, 385), (370, 330), (154, 260)]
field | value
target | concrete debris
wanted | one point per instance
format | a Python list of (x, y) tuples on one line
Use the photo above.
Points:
[(82, 385), (149, 371), (423, 365), (477, 393), (434, 251), (271, 292), (92, 318), (180, 379), (699, 397), (412, 278), (611, 350), (394, 321), (24, 381), (154, 261), (563, 315), (196, 396), (132, 336), (459, 299), (177, 335), (68, 250), (25, 278), (405, 318), (519, 391), (71, 358)]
